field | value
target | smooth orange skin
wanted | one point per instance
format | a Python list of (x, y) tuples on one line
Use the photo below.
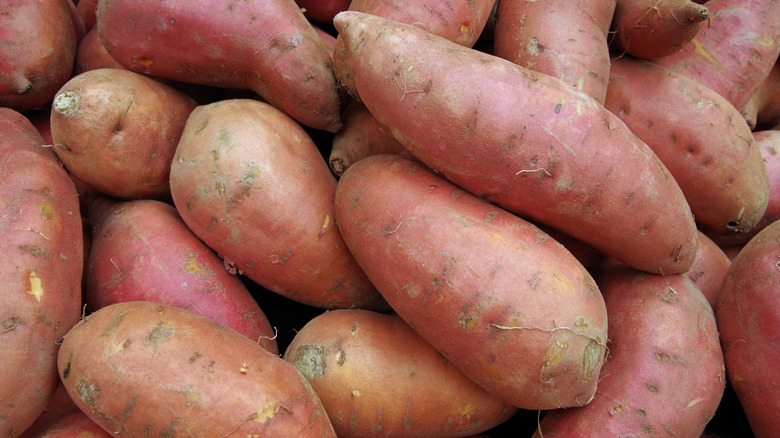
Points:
[(41, 242), (493, 293), (376, 377)]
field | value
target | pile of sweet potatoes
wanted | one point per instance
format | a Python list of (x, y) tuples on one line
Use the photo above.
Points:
[(463, 218)]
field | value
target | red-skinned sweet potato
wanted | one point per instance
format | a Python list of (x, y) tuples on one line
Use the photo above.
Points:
[(577, 51), (360, 137), (377, 377), (709, 268), (322, 11), (735, 52), (700, 137), (501, 300), (523, 140), (92, 55), (141, 368), (36, 57), (664, 374), (143, 251), (60, 404), (749, 323), (268, 47), (75, 424), (117, 131), (42, 246), (762, 111), (251, 183), (655, 28)]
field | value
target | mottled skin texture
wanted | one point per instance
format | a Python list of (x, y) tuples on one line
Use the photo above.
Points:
[(251, 183), (523, 140), (266, 46), (735, 51), (40, 296), (147, 369), (117, 131), (562, 38), (664, 374), (655, 28), (36, 58), (143, 251), (700, 137), (749, 324), (505, 303), (376, 377)]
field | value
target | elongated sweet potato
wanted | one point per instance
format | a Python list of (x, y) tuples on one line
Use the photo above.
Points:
[(143, 251), (42, 247), (117, 131), (735, 52), (147, 369), (360, 137), (664, 374), (505, 303), (749, 323), (562, 38), (268, 47), (377, 377), (700, 137), (250, 183), (526, 141), (36, 57), (655, 28)]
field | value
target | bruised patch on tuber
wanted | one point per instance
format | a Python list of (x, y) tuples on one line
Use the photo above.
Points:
[(310, 361)]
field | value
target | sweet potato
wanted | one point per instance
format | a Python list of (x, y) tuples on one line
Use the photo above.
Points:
[(268, 47), (60, 404), (735, 52), (523, 140), (501, 300), (117, 130), (655, 28), (92, 55), (768, 142), (360, 137), (251, 183), (749, 323), (562, 38), (147, 369), (40, 300), (36, 57), (322, 11), (700, 137), (762, 111), (709, 268), (664, 373), (75, 424), (377, 377), (143, 251)]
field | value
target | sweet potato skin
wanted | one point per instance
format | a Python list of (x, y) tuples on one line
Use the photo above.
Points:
[(494, 294), (41, 235), (251, 183), (664, 374), (121, 363), (377, 377), (117, 131), (700, 137), (75, 424), (651, 29), (268, 47), (749, 323), (577, 51), (36, 57), (143, 251), (735, 52), (525, 141)]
